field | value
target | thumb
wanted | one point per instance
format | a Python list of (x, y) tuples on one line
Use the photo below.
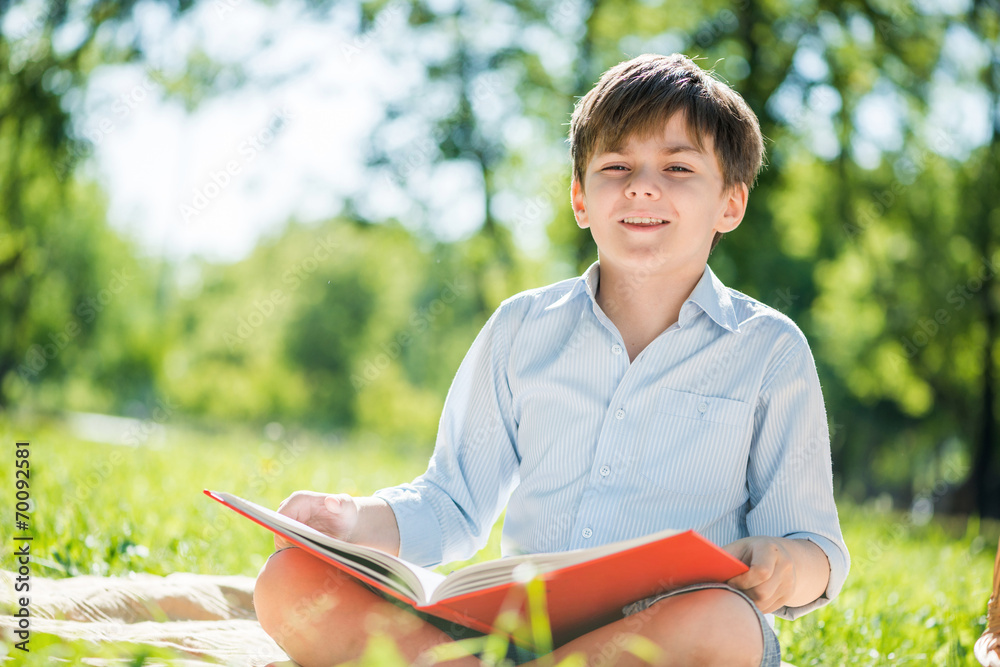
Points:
[(740, 550), (343, 516)]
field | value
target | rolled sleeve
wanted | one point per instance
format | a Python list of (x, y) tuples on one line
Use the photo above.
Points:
[(419, 530), (447, 513), (839, 565), (790, 473)]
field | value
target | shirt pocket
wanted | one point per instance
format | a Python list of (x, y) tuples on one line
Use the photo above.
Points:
[(694, 444)]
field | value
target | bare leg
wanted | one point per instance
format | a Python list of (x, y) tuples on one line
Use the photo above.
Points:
[(701, 628), (320, 616)]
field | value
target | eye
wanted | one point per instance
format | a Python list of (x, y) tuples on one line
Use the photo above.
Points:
[(615, 167), (678, 168)]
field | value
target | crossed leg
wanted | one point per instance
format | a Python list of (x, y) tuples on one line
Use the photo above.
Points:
[(320, 617)]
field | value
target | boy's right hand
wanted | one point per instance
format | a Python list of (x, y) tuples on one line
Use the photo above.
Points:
[(333, 514)]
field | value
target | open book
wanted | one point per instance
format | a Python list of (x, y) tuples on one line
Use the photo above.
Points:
[(584, 588)]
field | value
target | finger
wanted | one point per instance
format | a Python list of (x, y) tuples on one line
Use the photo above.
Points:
[(766, 602), (739, 550), (289, 506), (752, 578), (301, 505), (764, 592), (768, 606)]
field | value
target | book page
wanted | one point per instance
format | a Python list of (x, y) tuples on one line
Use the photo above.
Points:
[(497, 572), (412, 581)]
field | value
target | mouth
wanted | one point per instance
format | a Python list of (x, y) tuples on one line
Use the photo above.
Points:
[(644, 222)]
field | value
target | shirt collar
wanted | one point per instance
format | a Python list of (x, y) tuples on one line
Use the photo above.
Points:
[(709, 294), (585, 284), (712, 297), (590, 279)]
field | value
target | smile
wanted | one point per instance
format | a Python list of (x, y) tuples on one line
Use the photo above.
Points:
[(644, 222)]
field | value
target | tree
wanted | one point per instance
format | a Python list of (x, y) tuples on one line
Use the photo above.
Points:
[(55, 249)]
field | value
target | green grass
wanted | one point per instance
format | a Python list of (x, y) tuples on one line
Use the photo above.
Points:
[(916, 594)]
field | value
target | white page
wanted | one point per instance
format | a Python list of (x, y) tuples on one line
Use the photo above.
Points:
[(496, 572), (418, 583)]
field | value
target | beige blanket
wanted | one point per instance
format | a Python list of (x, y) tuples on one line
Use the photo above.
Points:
[(201, 619)]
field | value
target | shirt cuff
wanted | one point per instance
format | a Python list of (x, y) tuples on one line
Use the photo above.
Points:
[(839, 565), (419, 530)]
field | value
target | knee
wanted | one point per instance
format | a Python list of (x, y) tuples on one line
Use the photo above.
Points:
[(719, 607), (725, 625), (293, 589)]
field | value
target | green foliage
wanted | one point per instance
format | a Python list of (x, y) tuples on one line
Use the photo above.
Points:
[(75, 305), (337, 324), (916, 594)]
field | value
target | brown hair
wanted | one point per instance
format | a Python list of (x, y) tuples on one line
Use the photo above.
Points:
[(637, 98)]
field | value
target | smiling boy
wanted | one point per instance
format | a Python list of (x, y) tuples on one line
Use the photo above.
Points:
[(640, 396)]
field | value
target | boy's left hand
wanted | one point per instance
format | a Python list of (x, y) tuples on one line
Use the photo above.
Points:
[(783, 572)]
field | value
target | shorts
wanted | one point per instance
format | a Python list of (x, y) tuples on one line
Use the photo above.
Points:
[(772, 649), (515, 655)]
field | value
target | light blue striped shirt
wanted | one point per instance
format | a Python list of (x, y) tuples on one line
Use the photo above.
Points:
[(717, 425)]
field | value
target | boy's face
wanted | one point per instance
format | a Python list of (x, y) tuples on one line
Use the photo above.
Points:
[(657, 203)]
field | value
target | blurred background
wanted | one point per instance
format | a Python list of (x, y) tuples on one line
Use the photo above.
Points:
[(298, 215)]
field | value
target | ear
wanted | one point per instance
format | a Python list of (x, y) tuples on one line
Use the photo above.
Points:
[(579, 202), (735, 208)]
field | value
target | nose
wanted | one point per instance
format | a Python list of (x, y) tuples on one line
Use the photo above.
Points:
[(642, 185)]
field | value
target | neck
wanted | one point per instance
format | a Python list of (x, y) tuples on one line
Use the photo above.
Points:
[(643, 304)]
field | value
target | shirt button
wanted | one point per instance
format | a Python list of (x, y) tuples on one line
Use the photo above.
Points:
[(587, 533), (620, 414), (605, 471), (616, 348), (702, 407)]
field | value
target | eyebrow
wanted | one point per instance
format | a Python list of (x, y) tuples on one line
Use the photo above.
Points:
[(680, 148), (672, 149)]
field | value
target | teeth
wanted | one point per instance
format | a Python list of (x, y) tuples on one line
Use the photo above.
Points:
[(644, 221)]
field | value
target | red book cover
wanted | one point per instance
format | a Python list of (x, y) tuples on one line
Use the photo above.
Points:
[(584, 589)]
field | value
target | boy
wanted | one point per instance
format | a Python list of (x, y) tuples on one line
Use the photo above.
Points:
[(643, 395)]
